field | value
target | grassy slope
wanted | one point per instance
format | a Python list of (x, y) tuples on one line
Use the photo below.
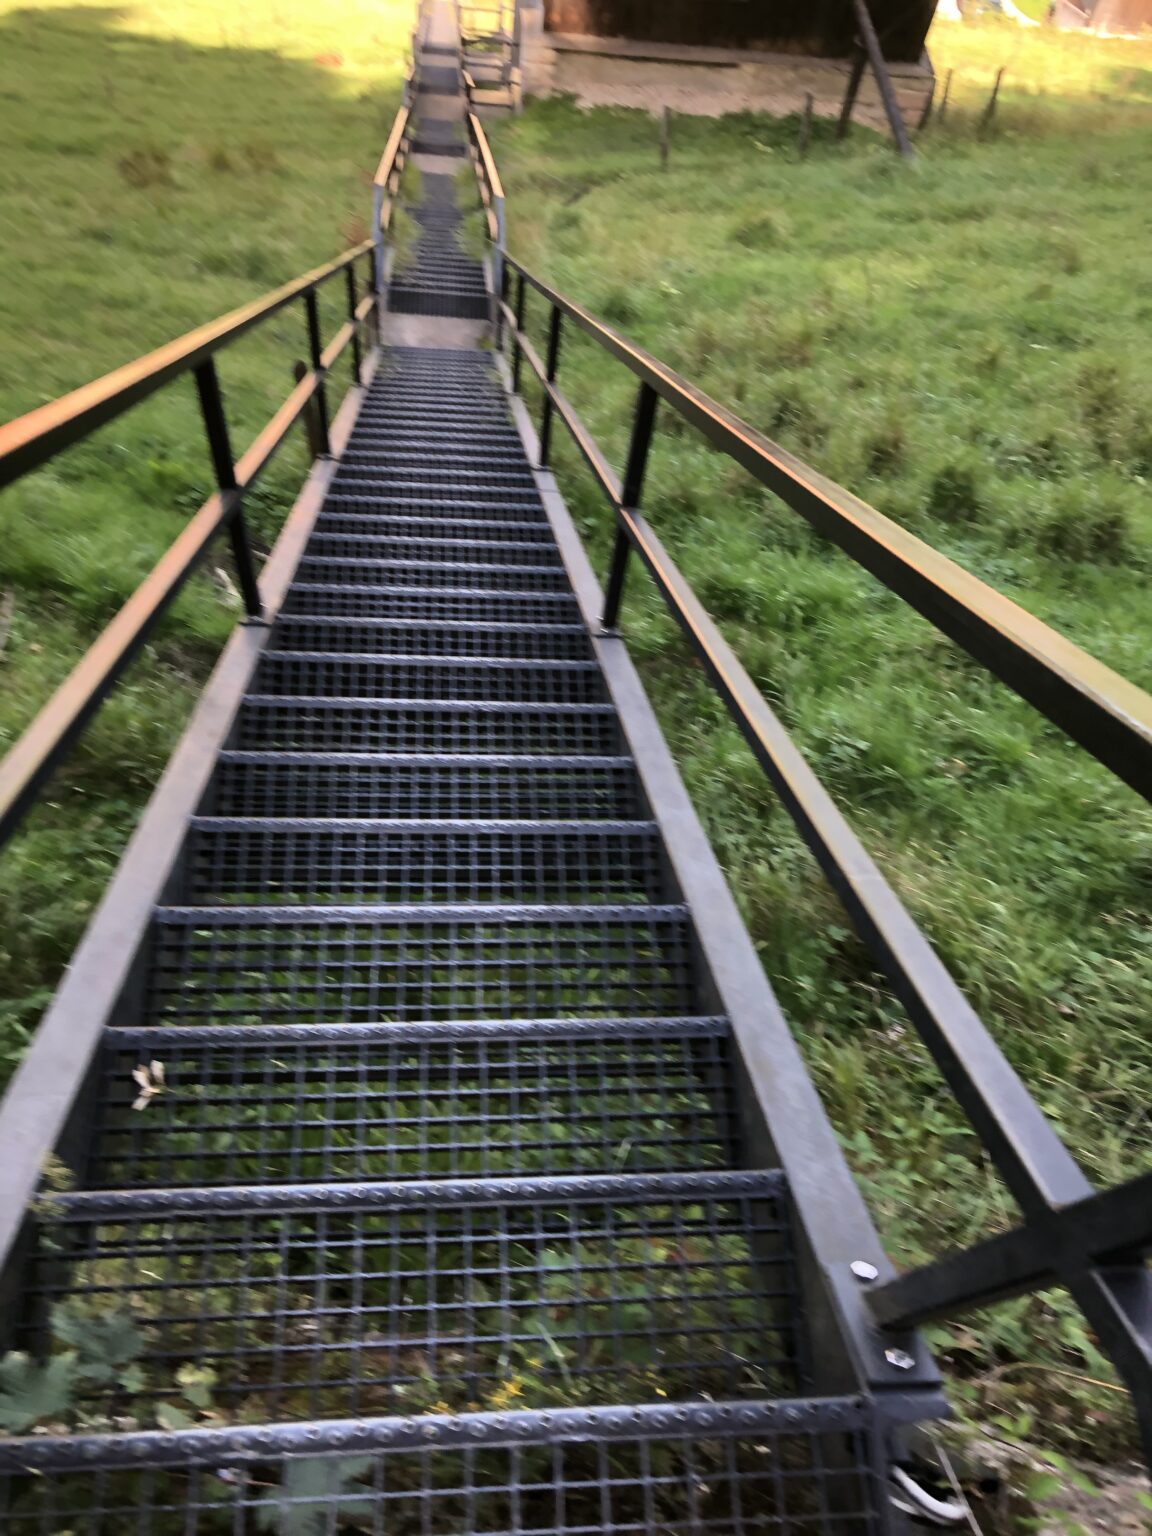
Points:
[(966, 345), (164, 162)]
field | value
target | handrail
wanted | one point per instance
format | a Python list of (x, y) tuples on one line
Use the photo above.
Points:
[(387, 164), (484, 150), (1091, 1241), (35, 438), (490, 188), (1107, 715), (32, 439)]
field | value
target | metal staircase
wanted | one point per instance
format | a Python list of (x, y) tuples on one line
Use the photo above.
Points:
[(448, 1124), (437, 1159), (441, 1169)]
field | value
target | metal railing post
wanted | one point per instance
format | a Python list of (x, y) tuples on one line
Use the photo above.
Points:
[(517, 329), (498, 256), (643, 422), (314, 348), (554, 321), (378, 240), (374, 290), (220, 447), (357, 355)]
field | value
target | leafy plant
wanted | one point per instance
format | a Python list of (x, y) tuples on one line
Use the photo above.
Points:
[(315, 1490), (106, 1346), (32, 1391)]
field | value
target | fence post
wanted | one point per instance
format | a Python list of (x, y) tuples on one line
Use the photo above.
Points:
[(806, 124), (220, 447), (664, 136), (990, 110), (943, 109), (852, 90)]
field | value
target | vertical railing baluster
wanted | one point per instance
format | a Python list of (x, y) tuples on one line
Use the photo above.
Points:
[(220, 447), (374, 289), (314, 347), (503, 293), (553, 363), (643, 422), (357, 356), (517, 329)]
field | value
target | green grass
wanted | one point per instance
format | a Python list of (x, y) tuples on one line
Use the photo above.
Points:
[(965, 344), (164, 162)]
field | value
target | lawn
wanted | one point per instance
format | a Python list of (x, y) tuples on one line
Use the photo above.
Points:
[(164, 162), (965, 344)]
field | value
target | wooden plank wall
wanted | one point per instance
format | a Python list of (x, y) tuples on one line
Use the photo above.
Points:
[(824, 28)]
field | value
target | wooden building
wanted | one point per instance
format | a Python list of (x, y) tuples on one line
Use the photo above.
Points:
[(716, 56), (823, 29)]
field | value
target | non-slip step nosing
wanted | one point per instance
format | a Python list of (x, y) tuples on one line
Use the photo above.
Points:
[(433, 827), (485, 664), (401, 913), (447, 761), (418, 1032), (222, 1447), (406, 1194)]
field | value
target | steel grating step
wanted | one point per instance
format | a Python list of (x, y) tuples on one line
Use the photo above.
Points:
[(401, 455), (470, 541), (419, 295), (288, 722), (423, 144), (267, 1105), (402, 390), (322, 965), (523, 508), (432, 605), (471, 410), (803, 1467), (429, 678), (319, 1300), (412, 487), (470, 407), (432, 437), (439, 77), (460, 479), (539, 788), (450, 638), (313, 861), (370, 527), (474, 574)]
